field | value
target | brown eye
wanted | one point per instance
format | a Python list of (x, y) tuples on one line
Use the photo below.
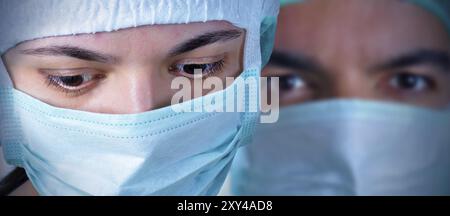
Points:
[(71, 82), (411, 82), (293, 88), (291, 82), (189, 70), (72, 85)]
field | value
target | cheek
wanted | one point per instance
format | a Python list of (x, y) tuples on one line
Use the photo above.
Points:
[(231, 70), (236, 60), (445, 99), (438, 102), (235, 67), (295, 97), (30, 82)]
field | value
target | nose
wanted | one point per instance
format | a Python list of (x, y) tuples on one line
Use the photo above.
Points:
[(138, 91), (351, 85)]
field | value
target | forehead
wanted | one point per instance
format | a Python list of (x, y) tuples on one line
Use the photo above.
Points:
[(167, 35), (370, 27)]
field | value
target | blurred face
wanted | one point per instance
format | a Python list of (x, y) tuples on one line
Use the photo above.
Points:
[(374, 49), (127, 71)]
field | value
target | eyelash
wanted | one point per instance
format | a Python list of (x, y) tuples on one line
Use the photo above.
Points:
[(51, 81), (55, 82), (212, 68), (395, 82)]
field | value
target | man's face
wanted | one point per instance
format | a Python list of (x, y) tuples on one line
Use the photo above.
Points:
[(373, 49), (128, 71)]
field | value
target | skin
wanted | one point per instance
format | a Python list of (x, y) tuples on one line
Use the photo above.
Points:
[(345, 49), (137, 70), (130, 72)]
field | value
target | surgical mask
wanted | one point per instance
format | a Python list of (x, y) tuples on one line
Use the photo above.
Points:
[(348, 147), (160, 152)]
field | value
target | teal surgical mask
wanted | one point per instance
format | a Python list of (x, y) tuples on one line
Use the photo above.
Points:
[(348, 147)]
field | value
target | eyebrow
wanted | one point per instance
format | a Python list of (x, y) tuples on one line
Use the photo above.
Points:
[(205, 39), (73, 52), (440, 59), (294, 61)]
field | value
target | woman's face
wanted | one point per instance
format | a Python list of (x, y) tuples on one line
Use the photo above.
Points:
[(374, 49), (127, 71)]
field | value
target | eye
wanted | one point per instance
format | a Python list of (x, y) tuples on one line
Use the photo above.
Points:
[(290, 82), (411, 82), (75, 84), (293, 88), (190, 69), (71, 81)]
